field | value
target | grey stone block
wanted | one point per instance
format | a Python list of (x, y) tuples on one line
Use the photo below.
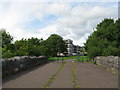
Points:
[(110, 62)]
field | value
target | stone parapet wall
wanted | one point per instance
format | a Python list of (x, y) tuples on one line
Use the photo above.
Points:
[(20, 63), (108, 62)]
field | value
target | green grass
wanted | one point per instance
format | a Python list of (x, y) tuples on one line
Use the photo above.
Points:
[(54, 58), (70, 57), (82, 59)]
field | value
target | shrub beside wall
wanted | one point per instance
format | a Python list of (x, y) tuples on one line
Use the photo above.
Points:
[(108, 62)]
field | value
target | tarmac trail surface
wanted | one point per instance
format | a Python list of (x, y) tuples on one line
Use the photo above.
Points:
[(32, 79), (92, 76), (64, 78), (88, 75)]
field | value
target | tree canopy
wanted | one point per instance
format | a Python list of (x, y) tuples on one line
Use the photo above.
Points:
[(55, 44), (104, 41), (31, 46), (6, 38), (5, 42)]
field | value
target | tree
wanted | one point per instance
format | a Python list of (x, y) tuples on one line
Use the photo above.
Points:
[(5, 41), (6, 37), (7, 54), (32, 46), (105, 40), (21, 47), (55, 44)]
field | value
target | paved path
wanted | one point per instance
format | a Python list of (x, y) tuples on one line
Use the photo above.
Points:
[(87, 75), (93, 76), (64, 77), (32, 79)]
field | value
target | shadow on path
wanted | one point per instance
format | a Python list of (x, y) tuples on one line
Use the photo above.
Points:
[(19, 74)]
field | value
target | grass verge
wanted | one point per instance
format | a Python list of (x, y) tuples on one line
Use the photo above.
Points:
[(48, 83), (60, 58), (82, 59), (76, 58), (75, 85)]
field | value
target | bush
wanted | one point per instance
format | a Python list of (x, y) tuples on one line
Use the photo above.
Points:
[(7, 54), (105, 39)]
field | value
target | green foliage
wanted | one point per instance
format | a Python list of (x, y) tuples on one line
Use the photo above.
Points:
[(55, 44), (82, 59), (6, 38), (104, 41), (20, 48), (30, 47), (5, 44), (7, 54), (42, 49)]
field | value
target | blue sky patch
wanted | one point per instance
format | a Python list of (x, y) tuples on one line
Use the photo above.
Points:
[(37, 24)]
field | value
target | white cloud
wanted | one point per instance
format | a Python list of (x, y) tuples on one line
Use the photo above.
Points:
[(12, 17), (82, 40), (59, 9), (46, 32), (59, 0), (74, 23)]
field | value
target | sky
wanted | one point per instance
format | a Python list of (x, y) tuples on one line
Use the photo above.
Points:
[(71, 20)]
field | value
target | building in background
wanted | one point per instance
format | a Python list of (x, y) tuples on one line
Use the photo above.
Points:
[(76, 50), (71, 48)]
